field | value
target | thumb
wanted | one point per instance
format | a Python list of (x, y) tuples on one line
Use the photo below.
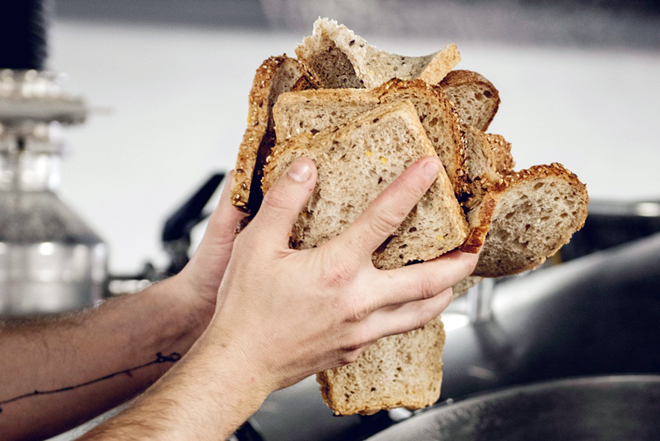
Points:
[(284, 201)]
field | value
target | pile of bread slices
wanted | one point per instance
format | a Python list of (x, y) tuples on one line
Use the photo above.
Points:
[(363, 116)]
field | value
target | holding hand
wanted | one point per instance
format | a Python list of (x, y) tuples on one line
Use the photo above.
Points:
[(294, 313), (282, 314)]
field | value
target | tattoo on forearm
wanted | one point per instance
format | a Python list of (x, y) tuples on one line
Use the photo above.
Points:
[(160, 358)]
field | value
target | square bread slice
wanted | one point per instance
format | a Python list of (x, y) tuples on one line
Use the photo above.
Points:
[(399, 371), (275, 76), (313, 110), (340, 59), (355, 162), (526, 218)]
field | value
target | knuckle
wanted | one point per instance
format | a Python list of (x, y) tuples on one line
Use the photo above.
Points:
[(354, 310), (349, 357), (355, 340), (424, 316), (279, 199), (385, 222), (417, 191), (339, 273), (427, 288)]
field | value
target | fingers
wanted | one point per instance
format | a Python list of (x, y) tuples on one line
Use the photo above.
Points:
[(406, 317), (420, 281), (222, 223), (386, 213), (284, 201), (218, 240)]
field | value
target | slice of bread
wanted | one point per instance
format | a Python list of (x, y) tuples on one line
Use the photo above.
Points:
[(487, 159), (476, 99), (502, 158), (313, 110), (275, 76), (462, 287), (438, 119), (399, 371), (527, 218), (355, 162), (340, 59)]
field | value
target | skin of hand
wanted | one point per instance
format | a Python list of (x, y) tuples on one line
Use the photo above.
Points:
[(124, 332), (200, 279), (285, 314)]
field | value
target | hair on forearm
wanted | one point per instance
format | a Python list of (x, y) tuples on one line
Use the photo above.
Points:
[(160, 358)]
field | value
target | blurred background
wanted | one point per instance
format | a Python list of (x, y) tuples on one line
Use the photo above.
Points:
[(166, 84), (170, 80)]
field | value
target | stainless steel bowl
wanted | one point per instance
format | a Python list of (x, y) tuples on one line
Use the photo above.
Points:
[(596, 408)]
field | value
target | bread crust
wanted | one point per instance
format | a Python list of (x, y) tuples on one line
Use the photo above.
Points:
[(340, 58), (417, 354), (495, 261), (395, 89), (259, 136)]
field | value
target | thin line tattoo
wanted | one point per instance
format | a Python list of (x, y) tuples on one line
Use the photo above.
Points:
[(160, 358)]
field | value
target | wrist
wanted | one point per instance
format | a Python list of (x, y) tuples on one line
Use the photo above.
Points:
[(188, 317), (228, 353)]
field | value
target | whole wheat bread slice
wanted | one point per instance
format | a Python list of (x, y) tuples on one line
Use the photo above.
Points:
[(403, 370), (476, 99), (341, 59), (355, 162), (275, 76), (313, 110), (527, 218)]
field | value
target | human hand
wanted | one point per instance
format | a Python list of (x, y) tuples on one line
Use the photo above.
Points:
[(291, 313), (201, 277)]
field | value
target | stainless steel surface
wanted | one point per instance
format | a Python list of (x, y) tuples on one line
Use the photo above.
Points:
[(605, 408), (480, 301), (29, 96), (593, 316), (50, 260)]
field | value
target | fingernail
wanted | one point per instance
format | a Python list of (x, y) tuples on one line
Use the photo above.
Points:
[(431, 169), (300, 171)]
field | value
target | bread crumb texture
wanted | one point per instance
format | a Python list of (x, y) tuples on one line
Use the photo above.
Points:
[(537, 211), (410, 376), (355, 163)]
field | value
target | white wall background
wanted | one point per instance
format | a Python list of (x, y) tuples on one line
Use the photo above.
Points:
[(179, 107)]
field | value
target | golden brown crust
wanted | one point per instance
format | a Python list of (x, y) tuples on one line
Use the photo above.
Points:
[(555, 169), (257, 125), (455, 167), (305, 82), (480, 226), (259, 137), (501, 149), (490, 213)]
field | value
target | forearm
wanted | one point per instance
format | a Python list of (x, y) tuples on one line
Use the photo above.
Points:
[(63, 359), (208, 395)]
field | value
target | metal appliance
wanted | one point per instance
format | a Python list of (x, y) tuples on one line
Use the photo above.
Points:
[(50, 260)]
